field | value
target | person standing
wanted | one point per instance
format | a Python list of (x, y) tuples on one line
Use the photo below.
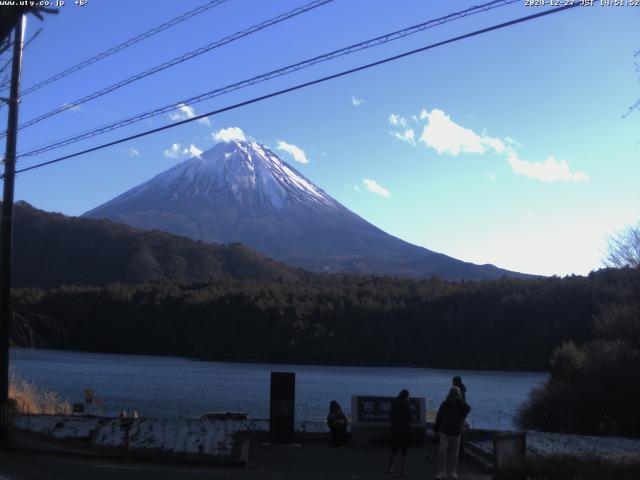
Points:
[(400, 430), (449, 420), (457, 382), (337, 423)]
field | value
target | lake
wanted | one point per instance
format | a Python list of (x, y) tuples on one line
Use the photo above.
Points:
[(174, 387)]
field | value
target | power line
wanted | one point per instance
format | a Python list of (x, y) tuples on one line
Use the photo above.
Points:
[(183, 58), (304, 85), (33, 37), (272, 74), (126, 44), (4, 67)]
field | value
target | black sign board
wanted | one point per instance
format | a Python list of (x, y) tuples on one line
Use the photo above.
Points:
[(378, 409), (282, 406), (78, 408)]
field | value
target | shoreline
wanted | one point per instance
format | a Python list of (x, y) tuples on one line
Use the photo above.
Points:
[(287, 362)]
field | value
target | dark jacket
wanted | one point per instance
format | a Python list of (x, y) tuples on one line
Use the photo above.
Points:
[(450, 416), (337, 423), (463, 390), (400, 417)]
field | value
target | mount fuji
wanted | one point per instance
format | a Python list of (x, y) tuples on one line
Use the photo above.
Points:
[(240, 191)]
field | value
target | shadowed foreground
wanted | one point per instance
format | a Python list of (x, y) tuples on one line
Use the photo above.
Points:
[(312, 460)]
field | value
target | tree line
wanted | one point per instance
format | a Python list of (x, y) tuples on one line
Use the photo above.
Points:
[(332, 319)]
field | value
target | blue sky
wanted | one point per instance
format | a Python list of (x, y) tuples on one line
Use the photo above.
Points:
[(508, 148)]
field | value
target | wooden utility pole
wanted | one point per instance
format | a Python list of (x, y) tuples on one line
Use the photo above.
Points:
[(6, 227)]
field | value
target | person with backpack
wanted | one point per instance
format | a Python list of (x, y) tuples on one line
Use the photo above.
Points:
[(449, 421)]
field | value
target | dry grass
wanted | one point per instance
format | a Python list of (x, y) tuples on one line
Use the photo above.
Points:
[(28, 398)]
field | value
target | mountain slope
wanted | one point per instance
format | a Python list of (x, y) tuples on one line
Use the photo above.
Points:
[(240, 191), (52, 249)]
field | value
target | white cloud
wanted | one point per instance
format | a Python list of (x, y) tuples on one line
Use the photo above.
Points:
[(511, 141), (373, 186), (173, 152), (356, 102), (192, 151), (229, 134), (445, 136), (408, 136), (551, 170), (71, 106), (185, 112), (397, 120), (495, 144), (133, 152), (296, 152)]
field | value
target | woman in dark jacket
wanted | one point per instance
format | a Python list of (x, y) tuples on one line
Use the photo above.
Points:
[(400, 429), (449, 420)]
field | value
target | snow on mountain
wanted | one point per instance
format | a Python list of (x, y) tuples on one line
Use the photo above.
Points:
[(240, 191), (247, 171)]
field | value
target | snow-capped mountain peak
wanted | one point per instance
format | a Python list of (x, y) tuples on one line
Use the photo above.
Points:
[(244, 171), (241, 191)]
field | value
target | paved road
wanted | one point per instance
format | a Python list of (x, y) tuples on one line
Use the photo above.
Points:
[(37, 466), (313, 461)]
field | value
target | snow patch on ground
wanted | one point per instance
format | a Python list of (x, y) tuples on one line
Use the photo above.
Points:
[(544, 443), (182, 436), (58, 426), (309, 426)]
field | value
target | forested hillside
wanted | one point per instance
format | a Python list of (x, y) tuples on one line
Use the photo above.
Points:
[(53, 249), (501, 324)]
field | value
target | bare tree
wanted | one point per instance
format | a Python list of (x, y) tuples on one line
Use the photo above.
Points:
[(636, 105), (624, 248)]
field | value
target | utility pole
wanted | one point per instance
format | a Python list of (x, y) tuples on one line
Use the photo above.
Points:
[(6, 227)]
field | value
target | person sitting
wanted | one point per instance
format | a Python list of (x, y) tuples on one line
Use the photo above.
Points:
[(337, 423)]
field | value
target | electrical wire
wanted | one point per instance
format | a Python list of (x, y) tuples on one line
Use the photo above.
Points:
[(126, 44), (270, 75), (33, 37), (175, 61), (10, 61), (304, 85)]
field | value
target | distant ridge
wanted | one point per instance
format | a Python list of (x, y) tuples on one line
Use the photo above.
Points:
[(240, 191)]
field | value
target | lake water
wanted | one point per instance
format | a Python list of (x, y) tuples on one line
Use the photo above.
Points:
[(170, 386)]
